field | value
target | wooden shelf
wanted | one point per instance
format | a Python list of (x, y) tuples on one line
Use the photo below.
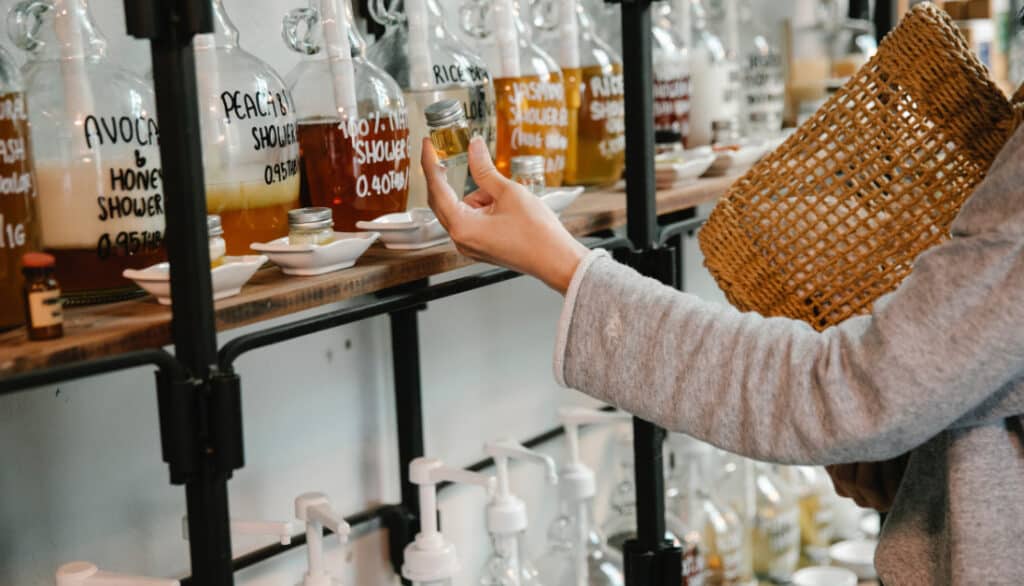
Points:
[(104, 330)]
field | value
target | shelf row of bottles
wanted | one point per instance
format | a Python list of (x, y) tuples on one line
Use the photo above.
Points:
[(737, 522), (82, 177)]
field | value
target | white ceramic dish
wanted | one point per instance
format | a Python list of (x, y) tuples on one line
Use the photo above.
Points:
[(228, 278), (560, 198), (824, 576), (415, 229), (730, 161), (857, 555), (307, 260), (677, 167)]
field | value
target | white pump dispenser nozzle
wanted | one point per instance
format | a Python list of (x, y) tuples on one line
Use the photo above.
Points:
[(576, 479), (507, 37), (569, 34), (282, 530), (417, 19), (87, 574), (431, 558), (506, 513), (315, 510)]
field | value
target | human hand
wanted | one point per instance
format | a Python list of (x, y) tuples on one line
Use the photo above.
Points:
[(502, 222), (870, 484)]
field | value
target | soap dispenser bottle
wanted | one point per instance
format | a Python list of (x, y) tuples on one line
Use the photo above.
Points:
[(87, 574), (431, 560), (713, 95), (315, 510), (507, 520), (577, 554)]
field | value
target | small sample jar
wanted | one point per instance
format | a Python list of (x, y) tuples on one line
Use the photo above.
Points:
[(449, 131), (528, 170), (218, 247), (725, 134), (43, 304), (310, 226)]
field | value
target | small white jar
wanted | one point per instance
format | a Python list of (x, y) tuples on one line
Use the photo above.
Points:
[(218, 248)]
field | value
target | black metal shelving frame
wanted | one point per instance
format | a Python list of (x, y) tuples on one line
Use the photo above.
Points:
[(199, 391)]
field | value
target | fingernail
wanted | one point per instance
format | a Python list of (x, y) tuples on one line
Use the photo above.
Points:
[(477, 143)]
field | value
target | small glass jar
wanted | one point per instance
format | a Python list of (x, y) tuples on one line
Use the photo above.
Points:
[(449, 132), (725, 135), (528, 170), (218, 246), (310, 226), (43, 304)]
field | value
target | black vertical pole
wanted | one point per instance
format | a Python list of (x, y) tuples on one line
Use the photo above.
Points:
[(649, 559), (170, 25), (886, 17)]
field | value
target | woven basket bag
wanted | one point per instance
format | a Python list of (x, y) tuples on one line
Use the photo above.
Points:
[(835, 217)]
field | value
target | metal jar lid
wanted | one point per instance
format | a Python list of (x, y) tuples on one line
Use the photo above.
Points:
[(444, 113), (527, 165), (213, 226), (310, 218)]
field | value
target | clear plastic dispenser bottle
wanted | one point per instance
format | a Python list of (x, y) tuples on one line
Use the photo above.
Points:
[(691, 497), (671, 78), (314, 509), (594, 92), (430, 64), (764, 82), (776, 527), (87, 574), (577, 554), (353, 132), (712, 92), (620, 526), (19, 220), (431, 560), (96, 150), (250, 149), (507, 520), (734, 477), (816, 500), (532, 115)]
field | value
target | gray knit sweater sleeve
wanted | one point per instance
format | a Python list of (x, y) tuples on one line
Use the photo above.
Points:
[(943, 350)]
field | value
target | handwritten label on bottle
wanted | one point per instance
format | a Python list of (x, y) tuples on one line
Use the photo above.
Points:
[(533, 114), (602, 105)]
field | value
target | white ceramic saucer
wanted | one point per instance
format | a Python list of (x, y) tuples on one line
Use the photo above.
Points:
[(415, 229), (736, 161), (307, 260), (228, 278), (560, 198), (679, 166)]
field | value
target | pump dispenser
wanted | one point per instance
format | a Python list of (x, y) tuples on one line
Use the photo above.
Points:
[(87, 574), (577, 554), (431, 560), (713, 91), (507, 520), (315, 509), (282, 530)]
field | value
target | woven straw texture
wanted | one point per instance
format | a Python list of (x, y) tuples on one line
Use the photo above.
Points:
[(834, 218)]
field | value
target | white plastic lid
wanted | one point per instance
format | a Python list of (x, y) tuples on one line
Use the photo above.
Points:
[(430, 562), (576, 480)]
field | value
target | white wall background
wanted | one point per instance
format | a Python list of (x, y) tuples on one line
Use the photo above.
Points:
[(80, 470)]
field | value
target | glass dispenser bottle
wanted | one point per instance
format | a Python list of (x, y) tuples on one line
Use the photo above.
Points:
[(431, 65), (250, 149), (594, 91), (532, 116), (96, 151), (764, 83), (776, 527), (621, 524), (19, 228), (713, 95), (734, 478), (817, 519), (671, 76), (352, 128)]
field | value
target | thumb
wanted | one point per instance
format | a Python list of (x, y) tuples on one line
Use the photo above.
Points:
[(440, 196), (482, 168)]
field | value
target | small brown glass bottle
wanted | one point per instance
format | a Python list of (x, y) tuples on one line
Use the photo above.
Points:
[(43, 304)]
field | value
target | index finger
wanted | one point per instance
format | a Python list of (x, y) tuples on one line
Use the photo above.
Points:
[(440, 195)]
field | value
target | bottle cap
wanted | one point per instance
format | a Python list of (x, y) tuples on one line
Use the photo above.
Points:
[(526, 165), (38, 260), (311, 218), (444, 113), (213, 226), (575, 480), (506, 513)]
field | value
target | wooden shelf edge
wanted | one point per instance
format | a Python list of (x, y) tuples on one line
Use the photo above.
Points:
[(105, 330)]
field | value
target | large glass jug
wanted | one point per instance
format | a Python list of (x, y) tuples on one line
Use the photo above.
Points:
[(531, 107), (764, 82), (250, 149), (96, 151), (19, 228), (592, 72), (353, 132), (671, 61), (714, 95), (430, 64)]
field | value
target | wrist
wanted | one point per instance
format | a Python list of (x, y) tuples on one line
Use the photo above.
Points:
[(565, 265)]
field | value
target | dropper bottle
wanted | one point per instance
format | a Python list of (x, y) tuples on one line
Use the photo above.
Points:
[(431, 560), (507, 520), (577, 554)]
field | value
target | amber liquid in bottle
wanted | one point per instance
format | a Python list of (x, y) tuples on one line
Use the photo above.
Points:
[(598, 153), (360, 169), (19, 231), (532, 120), (254, 211)]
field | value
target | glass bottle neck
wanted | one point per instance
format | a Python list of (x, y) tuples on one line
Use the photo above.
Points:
[(56, 29), (224, 35)]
